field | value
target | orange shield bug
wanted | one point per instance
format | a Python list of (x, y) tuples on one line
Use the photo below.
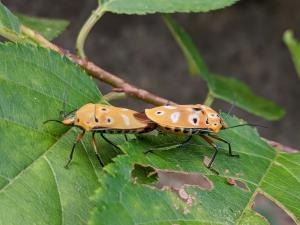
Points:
[(98, 118), (189, 120)]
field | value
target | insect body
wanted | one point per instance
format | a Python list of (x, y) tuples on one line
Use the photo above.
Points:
[(98, 118), (189, 120)]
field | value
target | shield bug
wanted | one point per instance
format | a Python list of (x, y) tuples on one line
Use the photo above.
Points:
[(189, 120), (99, 118)]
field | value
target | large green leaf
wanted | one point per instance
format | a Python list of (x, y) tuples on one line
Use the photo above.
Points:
[(228, 89), (294, 48), (35, 188), (125, 198), (49, 28), (9, 24), (158, 6)]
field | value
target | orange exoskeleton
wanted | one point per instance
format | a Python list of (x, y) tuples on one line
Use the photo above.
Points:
[(189, 120), (99, 118)]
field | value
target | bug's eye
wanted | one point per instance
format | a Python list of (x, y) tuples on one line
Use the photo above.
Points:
[(159, 113), (215, 124)]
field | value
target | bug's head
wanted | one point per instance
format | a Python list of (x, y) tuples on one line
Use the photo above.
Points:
[(69, 120), (214, 121)]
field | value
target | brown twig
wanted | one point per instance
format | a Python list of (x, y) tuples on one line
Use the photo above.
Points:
[(97, 72)]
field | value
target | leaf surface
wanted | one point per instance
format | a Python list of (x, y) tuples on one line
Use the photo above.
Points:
[(294, 48), (222, 87), (9, 23), (49, 28), (142, 7), (35, 188), (260, 168)]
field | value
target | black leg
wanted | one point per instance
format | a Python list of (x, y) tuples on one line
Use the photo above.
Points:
[(78, 138), (223, 140), (161, 148), (95, 149), (209, 141), (126, 138), (109, 142)]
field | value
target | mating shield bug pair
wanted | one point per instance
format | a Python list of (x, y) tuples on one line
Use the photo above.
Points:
[(186, 120)]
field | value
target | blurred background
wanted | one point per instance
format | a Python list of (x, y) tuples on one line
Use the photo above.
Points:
[(242, 41)]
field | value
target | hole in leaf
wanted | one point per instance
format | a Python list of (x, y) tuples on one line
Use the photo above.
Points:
[(270, 210), (239, 184), (176, 180), (172, 180), (144, 174)]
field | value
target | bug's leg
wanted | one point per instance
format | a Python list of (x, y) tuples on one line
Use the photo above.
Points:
[(126, 138), (78, 138), (109, 142), (95, 149), (214, 145), (223, 140), (163, 148), (186, 141)]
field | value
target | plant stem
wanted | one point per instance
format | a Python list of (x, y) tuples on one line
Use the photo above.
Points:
[(209, 99), (86, 28), (114, 96)]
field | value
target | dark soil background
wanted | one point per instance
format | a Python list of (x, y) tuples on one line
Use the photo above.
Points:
[(242, 41)]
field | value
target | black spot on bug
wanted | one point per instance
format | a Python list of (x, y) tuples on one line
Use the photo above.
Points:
[(177, 129), (96, 120), (167, 128), (104, 109), (195, 120), (108, 120), (207, 121), (197, 109), (78, 120)]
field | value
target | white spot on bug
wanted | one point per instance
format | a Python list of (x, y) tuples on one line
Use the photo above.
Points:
[(159, 113), (175, 117), (212, 115), (125, 109), (194, 119), (125, 119), (170, 107), (109, 120)]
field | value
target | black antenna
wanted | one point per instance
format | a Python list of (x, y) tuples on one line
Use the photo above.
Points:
[(62, 113), (246, 124), (58, 121), (231, 108)]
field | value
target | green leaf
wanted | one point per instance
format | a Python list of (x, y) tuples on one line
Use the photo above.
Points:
[(49, 28), (222, 87), (260, 168), (35, 188), (237, 92), (9, 24), (294, 48), (142, 7)]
